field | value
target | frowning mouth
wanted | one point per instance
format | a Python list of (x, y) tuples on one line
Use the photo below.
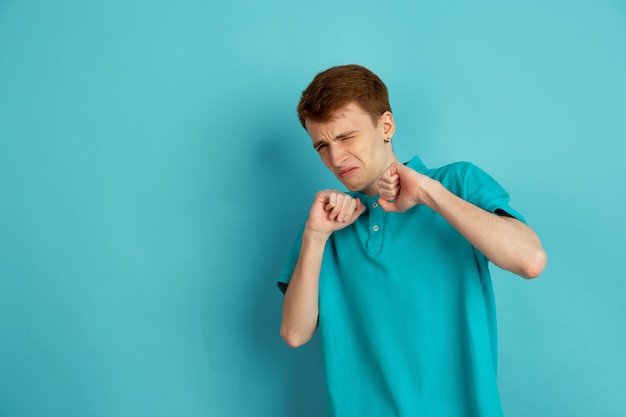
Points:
[(345, 173)]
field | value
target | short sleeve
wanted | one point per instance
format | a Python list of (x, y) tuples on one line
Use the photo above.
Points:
[(290, 264), (480, 189)]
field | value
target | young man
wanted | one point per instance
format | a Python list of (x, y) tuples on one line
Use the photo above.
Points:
[(395, 271)]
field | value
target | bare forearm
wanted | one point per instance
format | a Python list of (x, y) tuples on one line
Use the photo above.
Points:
[(301, 303), (505, 241)]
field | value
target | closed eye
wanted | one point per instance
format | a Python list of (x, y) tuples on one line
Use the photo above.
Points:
[(346, 135), (343, 137), (320, 147)]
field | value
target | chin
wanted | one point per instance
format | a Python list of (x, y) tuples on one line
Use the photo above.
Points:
[(352, 188)]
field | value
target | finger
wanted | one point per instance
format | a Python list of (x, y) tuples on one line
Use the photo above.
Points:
[(392, 170), (334, 213), (338, 210), (348, 210), (359, 209), (389, 183), (331, 203), (389, 176), (389, 196), (389, 191)]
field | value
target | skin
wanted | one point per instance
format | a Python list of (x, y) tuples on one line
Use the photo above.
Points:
[(354, 148)]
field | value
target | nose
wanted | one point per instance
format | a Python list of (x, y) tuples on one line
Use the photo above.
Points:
[(337, 155)]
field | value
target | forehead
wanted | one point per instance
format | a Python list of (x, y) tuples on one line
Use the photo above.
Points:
[(351, 116)]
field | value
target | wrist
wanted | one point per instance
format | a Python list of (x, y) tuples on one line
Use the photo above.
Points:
[(432, 191), (315, 236)]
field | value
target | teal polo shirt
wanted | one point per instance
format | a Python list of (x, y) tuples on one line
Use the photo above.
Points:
[(407, 317)]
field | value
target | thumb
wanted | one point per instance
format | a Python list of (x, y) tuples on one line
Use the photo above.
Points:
[(360, 207), (387, 205)]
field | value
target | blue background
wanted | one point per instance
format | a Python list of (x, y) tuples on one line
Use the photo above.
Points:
[(153, 175)]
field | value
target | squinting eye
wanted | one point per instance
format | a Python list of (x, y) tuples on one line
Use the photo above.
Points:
[(320, 147)]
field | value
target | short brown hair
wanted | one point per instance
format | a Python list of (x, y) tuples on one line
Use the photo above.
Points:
[(337, 87)]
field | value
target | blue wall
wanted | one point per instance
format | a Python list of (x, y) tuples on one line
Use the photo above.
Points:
[(153, 175)]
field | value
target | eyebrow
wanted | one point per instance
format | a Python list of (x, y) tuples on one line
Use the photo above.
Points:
[(339, 136)]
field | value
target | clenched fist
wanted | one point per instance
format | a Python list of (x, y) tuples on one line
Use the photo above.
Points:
[(333, 210), (401, 188)]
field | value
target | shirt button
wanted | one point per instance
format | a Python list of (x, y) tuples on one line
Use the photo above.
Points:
[(375, 228), (375, 205)]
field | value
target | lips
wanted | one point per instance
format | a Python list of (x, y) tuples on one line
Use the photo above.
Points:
[(344, 173)]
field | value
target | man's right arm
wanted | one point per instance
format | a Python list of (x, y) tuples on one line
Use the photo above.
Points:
[(300, 305), (331, 211)]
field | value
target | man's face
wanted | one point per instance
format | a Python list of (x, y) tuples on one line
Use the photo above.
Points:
[(353, 147)]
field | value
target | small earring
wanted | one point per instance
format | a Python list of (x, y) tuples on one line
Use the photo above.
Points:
[(387, 140)]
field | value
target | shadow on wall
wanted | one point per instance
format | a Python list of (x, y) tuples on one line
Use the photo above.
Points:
[(283, 195)]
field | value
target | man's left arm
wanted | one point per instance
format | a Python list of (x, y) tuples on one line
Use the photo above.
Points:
[(505, 241)]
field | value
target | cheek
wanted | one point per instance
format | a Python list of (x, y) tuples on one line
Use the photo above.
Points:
[(376, 156), (325, 160)]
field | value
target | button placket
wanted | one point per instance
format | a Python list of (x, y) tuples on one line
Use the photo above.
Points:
[(376, 220)]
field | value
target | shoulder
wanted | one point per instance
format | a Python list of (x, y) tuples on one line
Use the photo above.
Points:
[(451, 174), (462, 178)]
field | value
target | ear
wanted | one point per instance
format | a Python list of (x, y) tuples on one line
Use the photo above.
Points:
[(388, 125)]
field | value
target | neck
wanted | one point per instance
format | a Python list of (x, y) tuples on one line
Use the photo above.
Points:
[(373, 189)]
